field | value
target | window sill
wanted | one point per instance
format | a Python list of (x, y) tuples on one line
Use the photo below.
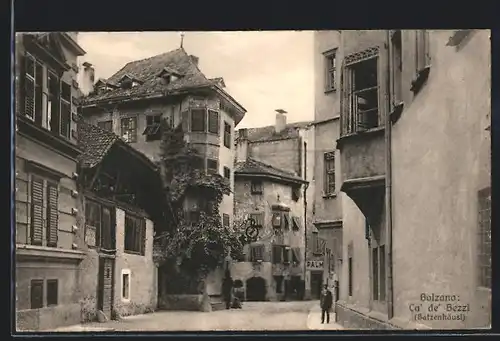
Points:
[(133, 253), (317, 253), (420, 79), (329, 196), (359, 134), (26, 252), (328, 91)]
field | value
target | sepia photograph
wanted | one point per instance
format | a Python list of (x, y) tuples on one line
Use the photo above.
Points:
[(252, 180)]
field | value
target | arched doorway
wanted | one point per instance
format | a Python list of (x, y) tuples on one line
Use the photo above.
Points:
[(256, 289)]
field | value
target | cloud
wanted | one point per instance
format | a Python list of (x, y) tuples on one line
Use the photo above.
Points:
[(263, 70)]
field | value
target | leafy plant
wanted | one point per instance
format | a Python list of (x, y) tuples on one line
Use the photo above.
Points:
[(198, 242)]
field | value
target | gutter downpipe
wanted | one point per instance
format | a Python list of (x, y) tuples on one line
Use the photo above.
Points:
[(388, 182), (306, 186)]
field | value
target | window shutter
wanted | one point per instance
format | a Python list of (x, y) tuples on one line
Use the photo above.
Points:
[(213, 121), (106, 229), (29, 97), (52, 215), (36, 211), (143, 236), (36, 293), (20, 89), (383, 84)]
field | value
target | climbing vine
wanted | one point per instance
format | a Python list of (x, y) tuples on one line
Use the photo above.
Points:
[(198, 242)]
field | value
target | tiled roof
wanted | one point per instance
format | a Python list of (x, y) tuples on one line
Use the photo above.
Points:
[(95, 143), (147, 70), (254, 167), (267, 133)]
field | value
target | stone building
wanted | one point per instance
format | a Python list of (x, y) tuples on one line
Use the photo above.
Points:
[(272, 188), (47, 252), (132, 102), (325, 246), (414, 109), (120, 207)]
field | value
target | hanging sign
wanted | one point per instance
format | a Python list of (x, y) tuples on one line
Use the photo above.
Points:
[(314, 265)]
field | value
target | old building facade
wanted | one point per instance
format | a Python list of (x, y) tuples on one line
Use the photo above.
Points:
[(170, 86), (325, 246), (414, 108), (272, 189), (46, 199), (120, 207)]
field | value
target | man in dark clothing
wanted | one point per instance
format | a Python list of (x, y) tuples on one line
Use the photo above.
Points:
[(326, 304), (227, 289)]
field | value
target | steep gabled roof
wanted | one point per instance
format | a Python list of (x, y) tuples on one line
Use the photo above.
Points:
[(96, 142), (252, 167), (148, 70)]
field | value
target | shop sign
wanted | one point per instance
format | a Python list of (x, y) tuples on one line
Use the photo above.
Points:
[(314, 265)]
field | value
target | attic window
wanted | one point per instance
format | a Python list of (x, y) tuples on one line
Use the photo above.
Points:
[(152, 131)]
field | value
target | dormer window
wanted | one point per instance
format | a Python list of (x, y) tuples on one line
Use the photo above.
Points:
[(128, 82), (169, 75)]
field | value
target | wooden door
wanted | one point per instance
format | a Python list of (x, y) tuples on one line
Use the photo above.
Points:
[(105, 286)]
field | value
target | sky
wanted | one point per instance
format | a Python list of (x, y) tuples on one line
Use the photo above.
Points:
[(262, 70)]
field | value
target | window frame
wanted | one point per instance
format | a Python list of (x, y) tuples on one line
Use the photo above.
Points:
[(258, 218), (330, 71), (56, 294), (99, 233), (38, 282), (127, 298), (227, 173), (65, 102), (226, 220), (153, 127), (396, 56), (103, 125), (138, 231), (227, 135), (49, 235), (125, 129), (256, 187), (212, 170), (254, 257), (204, 122), (213, 127), (329, 170)]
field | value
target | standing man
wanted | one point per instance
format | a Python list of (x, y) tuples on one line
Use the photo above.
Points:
[(326, 304), (227, 288)]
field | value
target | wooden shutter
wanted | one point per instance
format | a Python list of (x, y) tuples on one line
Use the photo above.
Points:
[(383, 84), (52, 215), (29, 97), (142, 226), (20, 86), (213, 121), (36, 211)]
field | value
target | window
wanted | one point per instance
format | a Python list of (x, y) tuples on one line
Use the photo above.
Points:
[(318, 244), (349, 269), (53, 102), (47, 100), (36, 292), (295, 223), (213, 122), (276, 219), (360, 92), (212, 166), (256, 253), (484, 238), (153, 128), (225, 220), (52, 292), (256, 187), (198, 120), (277, 254), (397, 67), (106, 125), (422, 60), (296, 255), (39, 225), (65, 123), (286, 255), (279, 284), (295, 193), (99, 225), (378, 273), (227, 135), (125, 285), (227, 173), (329, 164), (135, 234), (330, 69), (129, 129), (258, 219)]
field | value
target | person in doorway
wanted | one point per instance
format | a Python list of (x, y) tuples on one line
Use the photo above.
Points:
[(326, 304), (227, 289)]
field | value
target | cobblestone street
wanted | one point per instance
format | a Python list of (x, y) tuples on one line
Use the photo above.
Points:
[(284, 316)]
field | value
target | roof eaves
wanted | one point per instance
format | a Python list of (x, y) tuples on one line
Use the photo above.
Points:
[(270, 176)]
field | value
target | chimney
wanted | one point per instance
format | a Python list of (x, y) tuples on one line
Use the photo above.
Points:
[(280, 120), (87, 78), (194, 59), (242, 146)]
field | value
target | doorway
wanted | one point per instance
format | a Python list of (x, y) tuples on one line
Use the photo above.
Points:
[(316, 283), (105, 286), (256, 289)]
